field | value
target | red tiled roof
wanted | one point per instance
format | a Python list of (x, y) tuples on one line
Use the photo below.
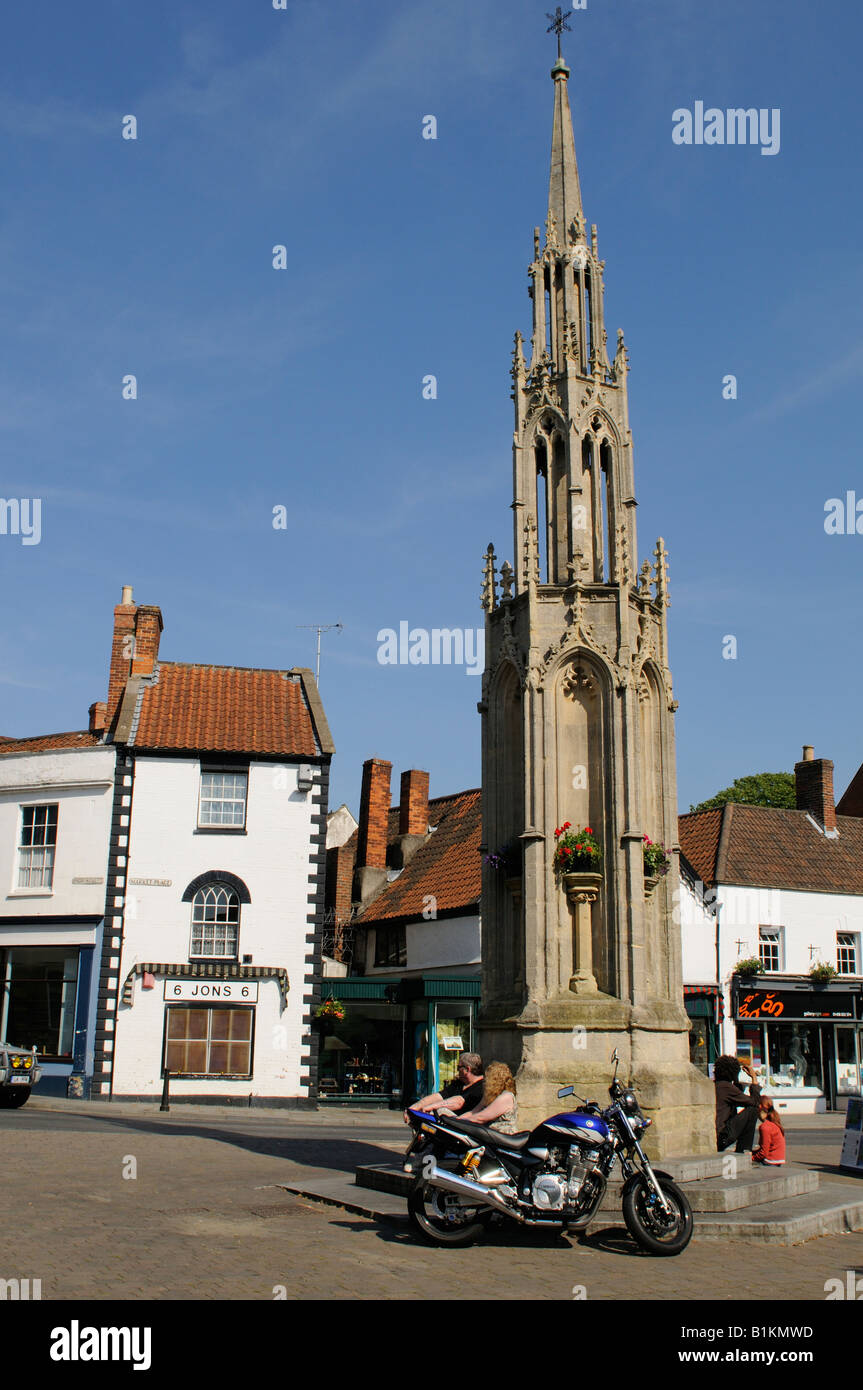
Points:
[(224, 709), (699, 840), (851, 803), (447, 866), (42, 743), (768, 847)]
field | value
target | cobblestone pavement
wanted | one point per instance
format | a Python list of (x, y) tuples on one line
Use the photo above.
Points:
[(204, 1219)]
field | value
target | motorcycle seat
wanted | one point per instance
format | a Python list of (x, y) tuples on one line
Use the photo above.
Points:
[(484, 1135)]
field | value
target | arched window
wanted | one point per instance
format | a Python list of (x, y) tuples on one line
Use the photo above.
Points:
[(215, 922)]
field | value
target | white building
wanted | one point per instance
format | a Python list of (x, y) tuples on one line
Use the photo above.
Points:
[(165, 876), (217, 865), (784, 887), (56, 795)]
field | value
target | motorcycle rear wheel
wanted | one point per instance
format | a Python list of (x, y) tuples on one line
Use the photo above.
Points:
[(427, 1208), (648, 1224)]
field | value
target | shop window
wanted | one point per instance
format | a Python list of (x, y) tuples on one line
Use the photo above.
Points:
[(847, 953), (215, 922), (770, 947), (37, 845), (37, 1005), (223, 799), (209, 1042), (391, 946), (794, 1056)]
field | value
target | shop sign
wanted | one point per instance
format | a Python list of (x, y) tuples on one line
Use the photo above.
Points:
[(451, 1044), (765, 1005), (221, 991)]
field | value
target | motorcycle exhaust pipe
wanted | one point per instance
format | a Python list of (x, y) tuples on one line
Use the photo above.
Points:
[(464, 1187)]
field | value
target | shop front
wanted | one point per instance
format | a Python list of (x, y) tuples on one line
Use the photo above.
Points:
[(703, 1004), (805, 1044), (47, 999), (396, 1039)]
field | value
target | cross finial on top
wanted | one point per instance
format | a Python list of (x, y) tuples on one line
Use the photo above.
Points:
[(559, 23)]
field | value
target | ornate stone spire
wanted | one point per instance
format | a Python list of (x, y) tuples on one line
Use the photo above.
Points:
[(564, 190)]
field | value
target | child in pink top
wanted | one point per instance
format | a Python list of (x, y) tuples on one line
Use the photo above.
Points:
[(771, 1136)]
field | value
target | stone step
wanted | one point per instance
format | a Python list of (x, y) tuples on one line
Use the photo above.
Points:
[(751, 1188), (715, 1194), (834, 1209)]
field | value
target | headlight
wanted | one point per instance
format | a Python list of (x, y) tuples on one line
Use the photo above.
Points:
[(629, 1103)]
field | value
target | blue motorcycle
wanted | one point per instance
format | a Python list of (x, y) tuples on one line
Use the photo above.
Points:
[(555, 1175)]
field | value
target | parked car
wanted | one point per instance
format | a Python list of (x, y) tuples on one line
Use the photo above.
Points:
[(19, 1073)]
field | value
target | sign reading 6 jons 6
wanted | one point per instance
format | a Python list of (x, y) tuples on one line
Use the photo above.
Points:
[(223, 991)]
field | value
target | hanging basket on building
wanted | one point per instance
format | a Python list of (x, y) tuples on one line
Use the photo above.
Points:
[(657, 862)]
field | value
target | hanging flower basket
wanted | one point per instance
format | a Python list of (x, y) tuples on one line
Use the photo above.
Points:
[(822, 973), (506, 860), (749, 967), (330, 1011), (657, 860), (576, 851)]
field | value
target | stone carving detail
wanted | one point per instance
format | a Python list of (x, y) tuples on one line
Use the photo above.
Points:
[(624, 573), (531, 552), (578, 681), (621, 358), (662, 573), (507, 577), (576, 227), (646, 574), (550, 233), (488, 597)]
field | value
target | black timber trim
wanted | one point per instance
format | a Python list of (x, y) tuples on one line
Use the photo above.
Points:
[(113, 930), (211, 878), (315, 921), (68, 919)]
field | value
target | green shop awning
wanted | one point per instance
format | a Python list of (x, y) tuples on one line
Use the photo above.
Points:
[(400, 990)]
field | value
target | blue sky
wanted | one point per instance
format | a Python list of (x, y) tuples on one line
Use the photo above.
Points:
[(406, 256)]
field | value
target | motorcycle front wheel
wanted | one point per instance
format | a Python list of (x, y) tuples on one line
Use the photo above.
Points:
[(441, 1219), (655, 1230)]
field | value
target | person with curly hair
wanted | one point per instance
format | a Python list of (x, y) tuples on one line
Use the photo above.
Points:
[(735, 1125), (499, 1108)]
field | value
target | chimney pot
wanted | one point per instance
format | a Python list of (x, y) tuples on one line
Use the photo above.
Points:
[(808, 753), (126, 597)]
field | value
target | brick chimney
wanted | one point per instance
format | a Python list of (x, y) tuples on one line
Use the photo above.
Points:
[(413, 814), (134, 648), (814, 784), (371, 865), (97, 717)]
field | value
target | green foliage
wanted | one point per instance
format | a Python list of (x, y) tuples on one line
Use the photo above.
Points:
[(761, 789), (822, 973), (750, 965)]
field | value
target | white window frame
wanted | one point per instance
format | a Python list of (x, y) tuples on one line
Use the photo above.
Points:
[(771, 936), (27, 853), (220, 930), (853, 944), (223, 801)]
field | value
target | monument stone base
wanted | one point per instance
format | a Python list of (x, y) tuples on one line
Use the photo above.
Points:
[(569, 1042)]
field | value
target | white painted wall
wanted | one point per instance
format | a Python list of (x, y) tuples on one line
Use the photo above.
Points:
[(273, 860), (81, 781), (445, 944)]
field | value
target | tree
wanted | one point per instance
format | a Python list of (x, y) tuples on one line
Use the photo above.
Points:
[(761, 789)]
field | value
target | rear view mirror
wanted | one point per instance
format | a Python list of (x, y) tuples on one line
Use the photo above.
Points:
[(564, 1091)]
